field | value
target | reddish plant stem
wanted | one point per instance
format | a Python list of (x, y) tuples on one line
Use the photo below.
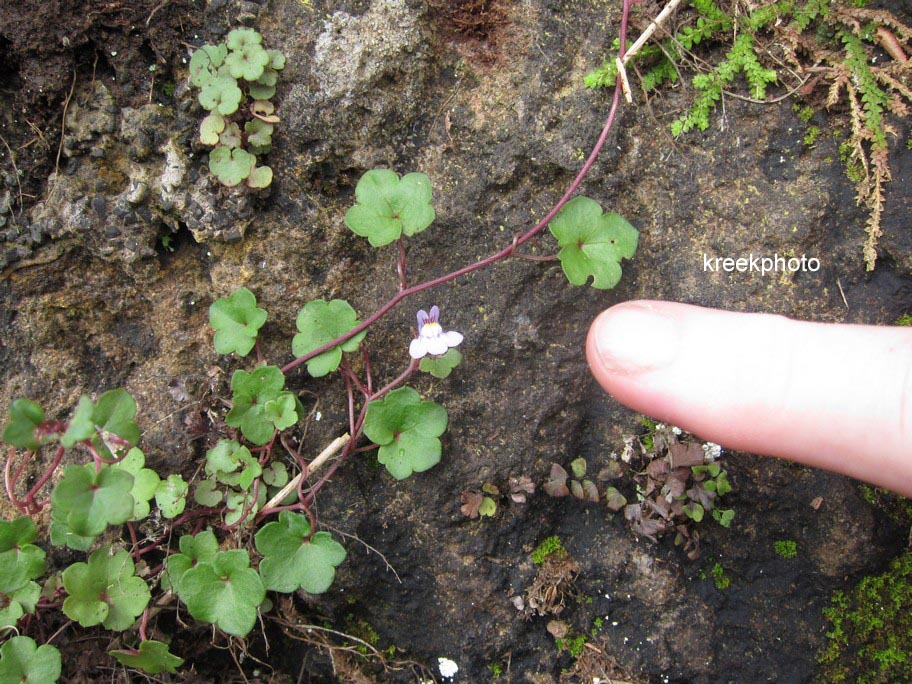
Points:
[(30, 497), (349, 448), (143, 624), (266, 512), (11, 480), (248, 506), (134, 539), (493, 258), (302, 464)]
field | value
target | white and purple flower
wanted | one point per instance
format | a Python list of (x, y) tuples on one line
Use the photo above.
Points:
[(432, 339)]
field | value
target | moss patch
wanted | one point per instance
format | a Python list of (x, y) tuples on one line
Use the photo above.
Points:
[(870, 639)]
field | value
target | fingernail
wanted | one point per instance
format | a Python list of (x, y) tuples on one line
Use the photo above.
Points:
[(634, 339)]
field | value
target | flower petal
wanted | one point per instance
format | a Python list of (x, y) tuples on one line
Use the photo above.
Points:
[(435, 313), (418, 348), (436, 345), (452, 338), (422, 318)]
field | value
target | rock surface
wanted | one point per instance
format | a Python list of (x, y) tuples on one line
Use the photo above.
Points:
[(498, 118)]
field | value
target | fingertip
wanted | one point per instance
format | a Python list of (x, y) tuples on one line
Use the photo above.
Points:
[(629, 339)]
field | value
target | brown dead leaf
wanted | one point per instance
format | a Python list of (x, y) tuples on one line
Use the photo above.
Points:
[(686, 455), (556, 485), (520, 487), (471, 502)]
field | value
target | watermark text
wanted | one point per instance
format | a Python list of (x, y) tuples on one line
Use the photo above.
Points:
[(754, 263)]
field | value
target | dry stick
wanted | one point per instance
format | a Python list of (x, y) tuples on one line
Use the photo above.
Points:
[(638, 44), (66, 104), (312, 467), (15, 170)]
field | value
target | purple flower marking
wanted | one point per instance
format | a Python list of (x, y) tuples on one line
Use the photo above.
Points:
[(432, 339)]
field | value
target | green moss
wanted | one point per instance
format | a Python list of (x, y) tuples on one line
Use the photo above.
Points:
[(549, 547), (786, 548), (905, 319), (573, 645), (898, 508), (810, 138), (720, 579), (870, 635), (805, 113)]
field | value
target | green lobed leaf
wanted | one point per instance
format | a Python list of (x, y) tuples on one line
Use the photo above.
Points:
[(231, 136), (171, 496), (22, 660), (25, 415), (145, 481), (237, 321), (81, 426), (16, 603), (389, 206), (694, 511), (259, 133), (441, 366), (194, 549), (293, 559), (276, 60), (269, 78), (282, 411), (207, 493), (233, 464), (239, 504), (258, 91), (592, 243), (406, 428), (319, 323), (62, 535), (113, 415), (275, 474), (724, 516), (221, 94), (153, 657), (488, 507), (87, 501), (240, 38), (225, 591), (105, 590), (20, 560), (252, 391), (247, 62), (204, 63), (210, 128), (260, 177), (231, 166)]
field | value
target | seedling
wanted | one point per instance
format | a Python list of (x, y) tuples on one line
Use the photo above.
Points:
[(229, 75)]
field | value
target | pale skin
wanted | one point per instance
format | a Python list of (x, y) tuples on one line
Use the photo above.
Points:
[(837, 397)]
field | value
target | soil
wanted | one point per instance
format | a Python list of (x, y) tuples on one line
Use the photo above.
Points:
[(487, 99)]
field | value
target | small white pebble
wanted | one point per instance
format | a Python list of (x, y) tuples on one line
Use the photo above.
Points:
[(447, 667)]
